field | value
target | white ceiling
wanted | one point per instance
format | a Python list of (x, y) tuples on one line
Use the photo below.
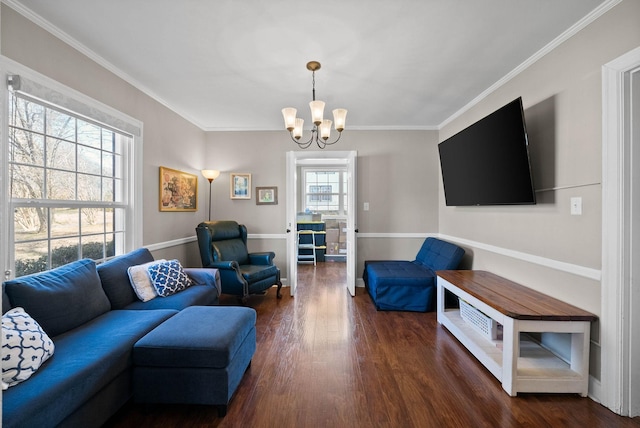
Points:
[(233, 65)]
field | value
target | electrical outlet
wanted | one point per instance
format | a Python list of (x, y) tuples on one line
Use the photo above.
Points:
[(366, 206), (576, 206)]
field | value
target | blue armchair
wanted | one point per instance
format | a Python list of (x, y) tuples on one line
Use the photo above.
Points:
[(402, 285), (223, 245)]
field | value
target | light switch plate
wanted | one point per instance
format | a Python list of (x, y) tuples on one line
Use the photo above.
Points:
[(576, 206)]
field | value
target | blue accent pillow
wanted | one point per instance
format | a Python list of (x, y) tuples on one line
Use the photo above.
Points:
[(168, 277), (25, 346)]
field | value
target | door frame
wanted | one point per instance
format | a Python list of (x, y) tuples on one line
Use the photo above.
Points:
[(320, 158), (619, 326)]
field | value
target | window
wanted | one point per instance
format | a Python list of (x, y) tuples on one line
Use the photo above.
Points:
[(325, 191), (67, 186), (320, 193)]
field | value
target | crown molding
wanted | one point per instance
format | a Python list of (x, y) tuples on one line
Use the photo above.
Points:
[(570, 32)]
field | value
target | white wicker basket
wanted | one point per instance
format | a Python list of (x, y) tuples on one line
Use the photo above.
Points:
[(479, 321)]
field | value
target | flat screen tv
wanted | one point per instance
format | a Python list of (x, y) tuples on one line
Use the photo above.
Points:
[(488, 162)]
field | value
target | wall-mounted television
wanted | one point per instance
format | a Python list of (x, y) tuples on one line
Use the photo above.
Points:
[(488, 162)]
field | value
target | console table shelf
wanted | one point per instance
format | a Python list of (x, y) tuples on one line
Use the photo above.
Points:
[(518, 362)]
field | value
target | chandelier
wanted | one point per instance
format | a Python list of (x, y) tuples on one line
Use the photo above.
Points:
[(321, 127)]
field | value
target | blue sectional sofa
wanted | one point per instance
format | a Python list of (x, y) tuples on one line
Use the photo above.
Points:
[(94, 318), (402, 285)]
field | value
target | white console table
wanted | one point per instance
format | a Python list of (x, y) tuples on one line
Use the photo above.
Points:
[(520, 364)]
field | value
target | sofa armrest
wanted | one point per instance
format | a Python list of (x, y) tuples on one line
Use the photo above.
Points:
[(263, 258), (205, 276)]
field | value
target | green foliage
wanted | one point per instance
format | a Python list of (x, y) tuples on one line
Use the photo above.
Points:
[(63, 255)]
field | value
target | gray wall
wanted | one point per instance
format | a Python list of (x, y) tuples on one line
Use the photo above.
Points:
[(397, 174), (563, 108), (169, 140)]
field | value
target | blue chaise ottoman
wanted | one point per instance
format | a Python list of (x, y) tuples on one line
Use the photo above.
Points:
[(402, 285), (198, 356)]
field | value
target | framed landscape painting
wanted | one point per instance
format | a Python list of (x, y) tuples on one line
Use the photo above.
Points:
[(240, 186), (178, 190)]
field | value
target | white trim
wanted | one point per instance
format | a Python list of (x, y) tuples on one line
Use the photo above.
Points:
[(575, 28), (615, 322), (595, 388), (5, 216), (173, 243), (267, 236), (194, 238), (574, 269), (397, 235)]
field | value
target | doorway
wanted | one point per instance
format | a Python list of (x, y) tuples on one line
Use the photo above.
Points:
[(328, 197)]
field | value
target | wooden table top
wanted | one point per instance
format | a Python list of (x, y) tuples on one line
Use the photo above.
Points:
[(512, 299)]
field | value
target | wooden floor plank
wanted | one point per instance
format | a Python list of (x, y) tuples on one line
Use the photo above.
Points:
[(325, 359)]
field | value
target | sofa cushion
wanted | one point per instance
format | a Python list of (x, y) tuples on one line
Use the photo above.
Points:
[(86, 360), (25, 346), (255, 273), (231, 249), (141, 282), (60, 299), (401, 286), (203, 346), (115, 279), (196, 295), (168, 277), (6, 304), (436, 254)]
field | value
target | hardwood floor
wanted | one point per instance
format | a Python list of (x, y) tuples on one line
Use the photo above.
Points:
[(325, 359)]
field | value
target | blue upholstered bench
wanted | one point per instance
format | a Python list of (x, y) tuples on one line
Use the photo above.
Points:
[(198, 356), (402, 285)]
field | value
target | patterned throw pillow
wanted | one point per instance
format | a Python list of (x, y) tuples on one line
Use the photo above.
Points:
[(141, 282), (168, 278), (25, 346)]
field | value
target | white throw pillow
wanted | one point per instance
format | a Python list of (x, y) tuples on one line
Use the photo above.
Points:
[(25, 346), (141, 282)]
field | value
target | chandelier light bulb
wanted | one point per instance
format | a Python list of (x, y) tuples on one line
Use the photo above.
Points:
[(289, 115), (340, 118), (317, 112), (297, 130), (325, 129)]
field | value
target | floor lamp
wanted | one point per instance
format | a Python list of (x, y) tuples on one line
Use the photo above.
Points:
[(210, 174)]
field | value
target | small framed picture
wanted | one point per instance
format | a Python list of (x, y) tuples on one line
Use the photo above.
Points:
[(267, 195), (178, 190), (240, 186)]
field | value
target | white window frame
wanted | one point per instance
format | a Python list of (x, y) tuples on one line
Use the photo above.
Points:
[(341, 191), (50, 91)]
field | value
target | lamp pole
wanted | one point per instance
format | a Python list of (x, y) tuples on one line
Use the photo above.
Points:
[(210, 174), (210, 181)]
